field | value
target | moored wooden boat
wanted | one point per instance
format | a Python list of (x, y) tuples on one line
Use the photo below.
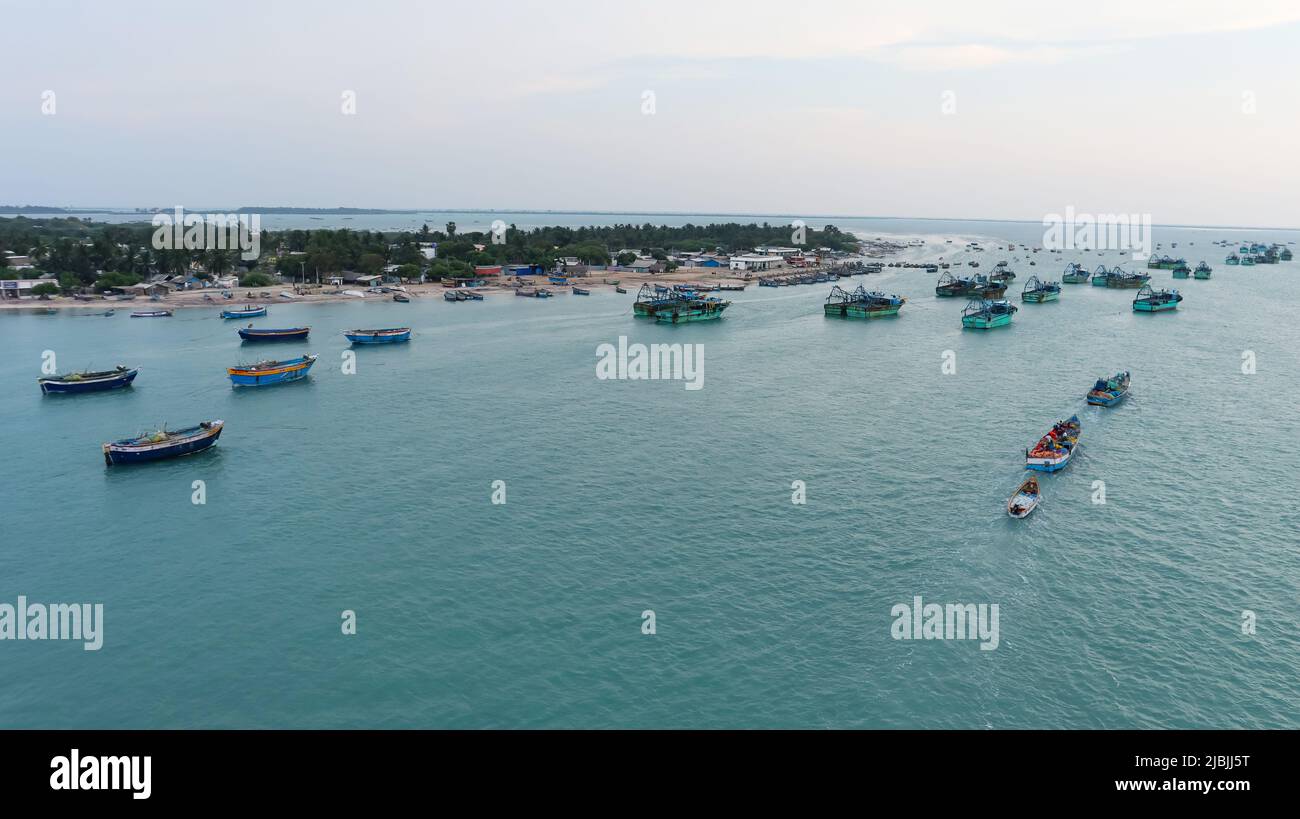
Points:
[(1108, 392), (689, 310), (1233, 259), (580, 291), (1053, 450), (618, 289), (163, 444), (1075, 274), (151, 314), (1156, 301), (983, 314), (265, 373), (88, 381), (247, 311), (862, 303), (284, 334), (401, 298), (1182, 271), (390, 335), (1037, 291), (1203, 271), (1026, 498)]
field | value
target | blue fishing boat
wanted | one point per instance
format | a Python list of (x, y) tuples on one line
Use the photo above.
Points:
[(1156, 301), (247, 311), (1203, 271), (283, 334), (163, 444), (1053, 450), (1037, 291), (1233, 259), (265, 373), (1075, 274), (88, 381), (1182, 271), (982, 314), (1108, 392), (391, 335)]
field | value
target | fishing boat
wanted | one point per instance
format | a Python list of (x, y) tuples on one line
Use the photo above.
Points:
[(1075, 274), (692, 310), (650, 299), (1100, 276), (1156, 301), (1026, 498), (1233, 259), (950, 286), (1108, 392), (620, 289), (265, 373), (401, 298), (1285, 254), (1037, 291), (284, 334), (579, 291), (1053, 450), (1203, 271), (1118, 278), (470, 295), (986, 289), (453, 295), (88, 381), (557, 279), (1002, 274), (163, 444), (391, 335), (151, 314), (247, 311), (1247, 261), (861, 303), (982, 314), (1182, 271)]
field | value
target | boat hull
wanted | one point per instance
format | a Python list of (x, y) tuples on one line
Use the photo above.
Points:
[(378, 337), (1202, 276), (1048, 464), (1040, 297), (292, 371), (1152, 307), (985, 322), (118, 453), (239, 314), (292, 334), (685, 316), (113, 382)]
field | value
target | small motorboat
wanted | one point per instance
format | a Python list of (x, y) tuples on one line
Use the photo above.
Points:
[(1108, 392), (88, 381), (151, 314), (247, 311), (1026, 498), (284, 334), (1053, 450), (163, 444), (389, 335), (578, 291), (271, 372)]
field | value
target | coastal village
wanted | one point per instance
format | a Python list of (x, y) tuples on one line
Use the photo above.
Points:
[(28, 280)]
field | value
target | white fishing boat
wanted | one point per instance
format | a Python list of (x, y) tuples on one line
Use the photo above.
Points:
[(1026, 498)]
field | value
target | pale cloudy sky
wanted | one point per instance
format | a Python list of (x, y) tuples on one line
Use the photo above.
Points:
[(944, 109)]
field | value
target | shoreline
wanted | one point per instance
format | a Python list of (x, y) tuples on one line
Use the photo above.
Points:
[(315, 295)]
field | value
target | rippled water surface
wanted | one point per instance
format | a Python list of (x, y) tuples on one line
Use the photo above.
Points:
[(371, 492)]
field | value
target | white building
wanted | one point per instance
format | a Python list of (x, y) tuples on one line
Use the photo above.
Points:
[(754, 262)]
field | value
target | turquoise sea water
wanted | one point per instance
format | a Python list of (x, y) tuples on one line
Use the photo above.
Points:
[(371, 492)]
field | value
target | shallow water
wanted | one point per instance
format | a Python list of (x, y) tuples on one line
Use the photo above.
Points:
[(371, 492)]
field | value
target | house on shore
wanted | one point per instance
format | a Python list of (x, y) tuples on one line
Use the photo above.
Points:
[(756, 263)]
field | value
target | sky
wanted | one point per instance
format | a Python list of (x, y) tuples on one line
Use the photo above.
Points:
[(1187, 111)]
